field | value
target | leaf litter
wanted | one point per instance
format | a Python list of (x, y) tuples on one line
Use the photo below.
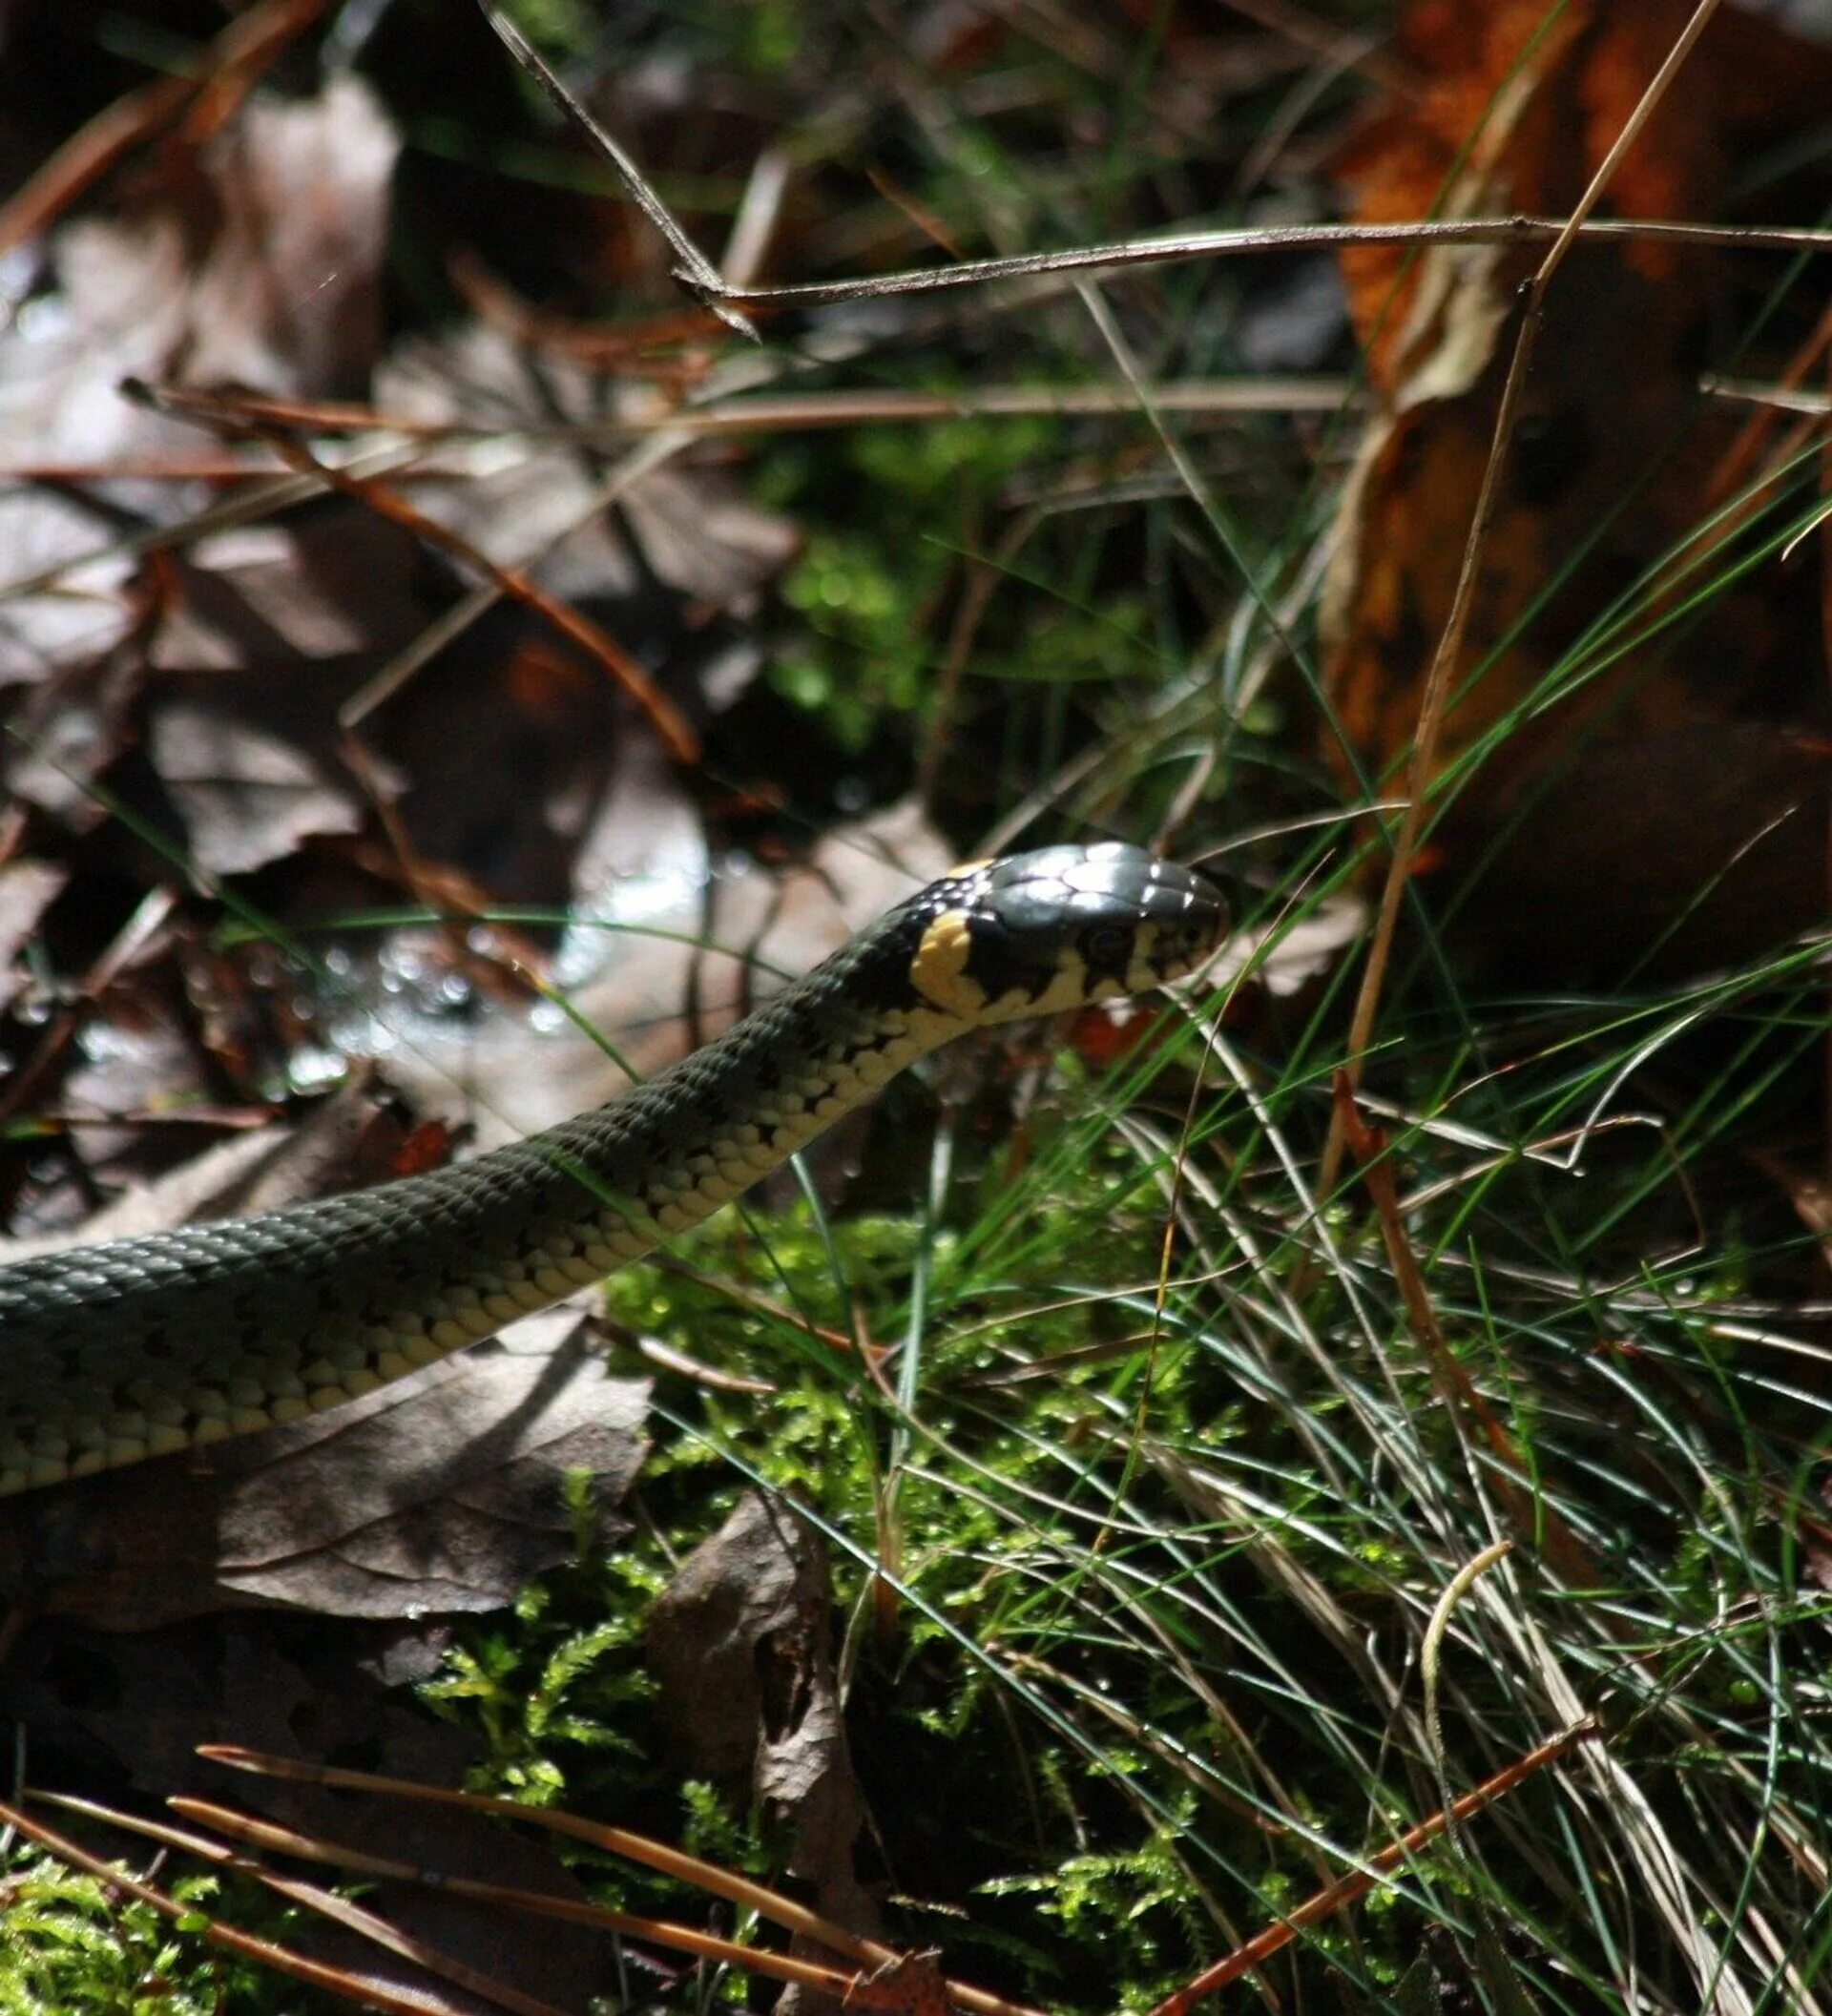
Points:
[(241, 662), (185, 634), (1653, 809), (199, 648)]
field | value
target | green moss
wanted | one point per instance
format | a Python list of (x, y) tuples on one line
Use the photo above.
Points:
[(70, 1945), (888, 530)]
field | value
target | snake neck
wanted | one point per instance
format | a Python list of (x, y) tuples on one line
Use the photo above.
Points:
[(148, 1345), (141, 1346), (539, 1219), (659, 1159)]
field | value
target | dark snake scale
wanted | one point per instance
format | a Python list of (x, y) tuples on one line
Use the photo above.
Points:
[(110, 1354)]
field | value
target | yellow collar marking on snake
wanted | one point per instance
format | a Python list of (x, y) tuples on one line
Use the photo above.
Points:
[(939, 972)]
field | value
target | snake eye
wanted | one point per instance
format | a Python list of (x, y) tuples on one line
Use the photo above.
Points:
[(1107, 947)]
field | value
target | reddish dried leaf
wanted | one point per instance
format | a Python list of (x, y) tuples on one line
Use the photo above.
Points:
[(913, 1985), (1612, 396), (1512, 107)]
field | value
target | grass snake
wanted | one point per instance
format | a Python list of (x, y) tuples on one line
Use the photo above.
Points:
[(145, 1346)]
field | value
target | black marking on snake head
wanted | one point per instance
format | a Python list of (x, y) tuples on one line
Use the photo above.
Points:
[(877, 968)]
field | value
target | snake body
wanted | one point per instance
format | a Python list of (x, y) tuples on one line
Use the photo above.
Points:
[(145, 1346)]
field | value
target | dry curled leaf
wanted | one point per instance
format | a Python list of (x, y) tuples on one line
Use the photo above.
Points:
[(1616, 471), (739, 1642)]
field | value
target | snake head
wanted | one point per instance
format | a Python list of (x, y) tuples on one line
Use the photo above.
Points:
[(1033, 934)]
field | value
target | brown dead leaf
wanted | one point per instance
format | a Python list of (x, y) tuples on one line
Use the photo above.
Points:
[(89, 609), (253, 256), (447, 1496), (1508, 107), (334, 585), (247, 795), (266, 631), (71, 728), (688, 531), (1614, 464), (437, 1494), (740, 1644), (912, 1985), (288, 296), (634, 964), (27, 888)]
